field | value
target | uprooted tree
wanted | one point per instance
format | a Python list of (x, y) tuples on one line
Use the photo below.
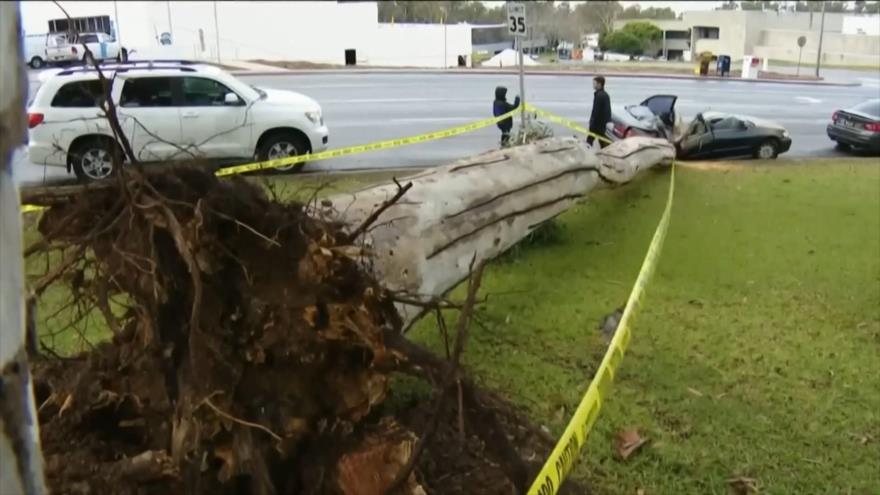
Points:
[(252, 345)]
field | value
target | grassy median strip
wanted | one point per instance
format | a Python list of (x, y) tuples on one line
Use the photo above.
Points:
[(757, 353), (756, 360)]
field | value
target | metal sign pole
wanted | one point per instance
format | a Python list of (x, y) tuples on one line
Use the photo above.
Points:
[(821, 34), (522, 90), (517, 25)]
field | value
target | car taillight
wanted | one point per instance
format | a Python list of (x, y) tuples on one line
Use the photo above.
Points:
[(35, 119), (629, 133), (873, 127), (73, 49), (835, 117), (619, 129)]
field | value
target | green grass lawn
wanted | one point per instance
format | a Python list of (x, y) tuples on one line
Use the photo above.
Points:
[(757, 353)]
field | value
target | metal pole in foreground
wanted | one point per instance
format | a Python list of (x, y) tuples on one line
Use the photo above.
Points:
[(522, 90), (217, 31), (821, 34)]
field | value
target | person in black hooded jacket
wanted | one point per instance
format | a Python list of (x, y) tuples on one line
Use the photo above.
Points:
[(601, 114), (500, 107)]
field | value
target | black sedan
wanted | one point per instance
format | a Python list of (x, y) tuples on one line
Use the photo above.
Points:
[(724, 135), (857, 127), (709, 135)]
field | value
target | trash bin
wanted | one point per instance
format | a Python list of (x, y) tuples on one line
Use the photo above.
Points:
[(722, 68)]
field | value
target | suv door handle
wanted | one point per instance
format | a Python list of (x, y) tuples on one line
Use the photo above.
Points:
[(190, 114)]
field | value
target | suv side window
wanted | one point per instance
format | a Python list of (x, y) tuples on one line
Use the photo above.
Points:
[(203, 92), (88, 38), (148, 92), (79, 94)]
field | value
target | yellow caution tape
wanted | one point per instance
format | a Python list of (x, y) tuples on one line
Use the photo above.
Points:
[(561, 460), (30, 208), (363, 148), (566, 122), (351, 150)]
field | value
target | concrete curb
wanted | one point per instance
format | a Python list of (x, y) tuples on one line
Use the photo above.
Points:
[(610, 75)]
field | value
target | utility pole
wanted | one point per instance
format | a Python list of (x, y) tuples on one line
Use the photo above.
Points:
[(217, 31), (821, 34)]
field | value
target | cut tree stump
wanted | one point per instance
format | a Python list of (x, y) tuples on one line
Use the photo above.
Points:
[(477, 208)]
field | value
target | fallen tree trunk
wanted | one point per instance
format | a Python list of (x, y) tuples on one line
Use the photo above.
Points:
[(479, 207)]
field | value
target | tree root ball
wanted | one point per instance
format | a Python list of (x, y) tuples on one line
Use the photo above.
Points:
[(251, 353)]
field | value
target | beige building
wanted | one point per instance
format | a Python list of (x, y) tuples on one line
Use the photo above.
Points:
[(768, 35)]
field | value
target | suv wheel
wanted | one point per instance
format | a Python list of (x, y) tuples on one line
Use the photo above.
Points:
[(767, 150), (36, 63), (92, 160), (283, 145)]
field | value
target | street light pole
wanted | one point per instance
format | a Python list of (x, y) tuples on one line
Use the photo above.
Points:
[(217, 31), (445, 46), (116, 19), (821, 35), (170, 28)]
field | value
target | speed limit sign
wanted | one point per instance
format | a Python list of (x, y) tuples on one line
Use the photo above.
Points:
[(516, 19)]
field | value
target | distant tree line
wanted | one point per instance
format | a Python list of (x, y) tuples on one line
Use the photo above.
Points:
[(563, 21), (553, 21)]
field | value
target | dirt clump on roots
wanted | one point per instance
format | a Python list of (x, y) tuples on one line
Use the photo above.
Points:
[(251, 354)]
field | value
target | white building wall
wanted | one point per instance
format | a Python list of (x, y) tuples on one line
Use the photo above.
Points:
[(420, 45), (837, 48), (862, 24), (317, 32)]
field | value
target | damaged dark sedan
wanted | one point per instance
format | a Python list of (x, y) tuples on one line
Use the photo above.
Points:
[(708, 135)]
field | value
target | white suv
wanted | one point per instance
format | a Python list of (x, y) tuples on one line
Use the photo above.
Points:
[(169, 110)]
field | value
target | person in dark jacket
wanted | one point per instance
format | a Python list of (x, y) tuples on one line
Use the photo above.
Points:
[(500, 107), (601, 113)]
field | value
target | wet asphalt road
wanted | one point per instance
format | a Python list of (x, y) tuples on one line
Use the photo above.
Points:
[(363, 108)]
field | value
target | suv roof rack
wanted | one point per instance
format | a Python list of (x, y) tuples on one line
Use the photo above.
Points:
[(153, 61), (124, 67)]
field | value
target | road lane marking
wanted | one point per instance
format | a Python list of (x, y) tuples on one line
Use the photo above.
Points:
[(808, 99)]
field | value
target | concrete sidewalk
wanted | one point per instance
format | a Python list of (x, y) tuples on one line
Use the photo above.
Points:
[(245, 66), (254, 69)]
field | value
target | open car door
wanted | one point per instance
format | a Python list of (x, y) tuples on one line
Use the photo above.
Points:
[(663, 106)]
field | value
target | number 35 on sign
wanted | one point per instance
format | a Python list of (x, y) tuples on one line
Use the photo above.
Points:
[(516, 19)]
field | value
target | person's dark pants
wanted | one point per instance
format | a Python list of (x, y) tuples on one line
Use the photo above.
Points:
[(505, 138), (591, 138)]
